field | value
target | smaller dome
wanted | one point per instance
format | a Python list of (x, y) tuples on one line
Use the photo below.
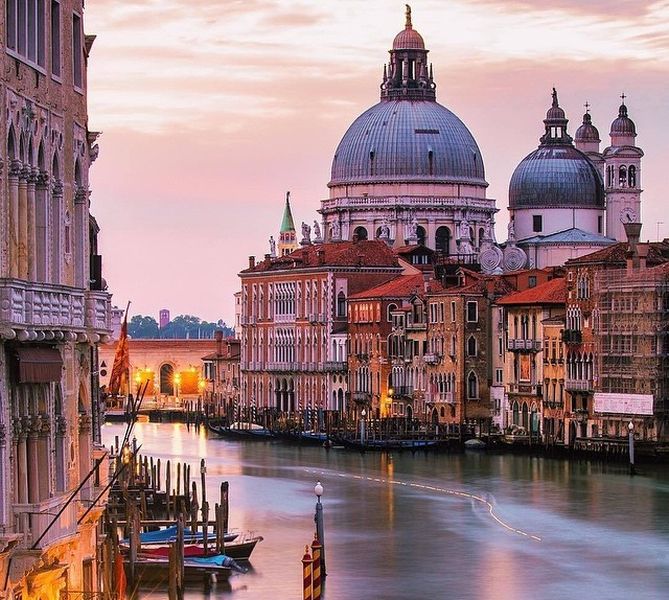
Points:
[(587, 132), (623, 125), (408, 39), (555, 112)]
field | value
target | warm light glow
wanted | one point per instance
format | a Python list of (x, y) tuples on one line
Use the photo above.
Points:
[(126, 454), (177, 378), (630, 426), (318, 489), (391, 391)]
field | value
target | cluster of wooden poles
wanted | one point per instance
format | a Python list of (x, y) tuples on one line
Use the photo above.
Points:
[(138, 503), (312, 581)]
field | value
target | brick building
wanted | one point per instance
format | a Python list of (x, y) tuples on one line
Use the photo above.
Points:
[(293, 319)]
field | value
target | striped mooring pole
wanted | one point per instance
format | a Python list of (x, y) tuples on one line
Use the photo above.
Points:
[(316, 557), (307, 566)]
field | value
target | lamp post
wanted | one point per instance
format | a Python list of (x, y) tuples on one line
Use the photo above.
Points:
[(630, 429), (318, 518), (363, 414), (177, 381)]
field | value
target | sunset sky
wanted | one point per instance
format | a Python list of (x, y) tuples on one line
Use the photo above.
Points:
[(211, 109)]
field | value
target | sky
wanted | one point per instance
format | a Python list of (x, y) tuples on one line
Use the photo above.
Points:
[(210, 110)]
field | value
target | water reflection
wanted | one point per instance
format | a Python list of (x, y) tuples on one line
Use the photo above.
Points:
[(602, 532)]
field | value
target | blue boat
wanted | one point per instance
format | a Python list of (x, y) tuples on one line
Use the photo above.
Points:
[(168, 535)]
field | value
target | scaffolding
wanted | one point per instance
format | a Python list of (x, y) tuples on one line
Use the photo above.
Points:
[(630, 319)]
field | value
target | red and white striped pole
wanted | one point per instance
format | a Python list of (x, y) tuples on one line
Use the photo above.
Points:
[(307, 583), (316, 554)]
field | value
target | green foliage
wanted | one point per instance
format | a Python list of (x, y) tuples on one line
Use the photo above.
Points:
[(179, 328)]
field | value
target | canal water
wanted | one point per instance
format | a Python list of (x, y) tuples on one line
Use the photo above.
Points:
[(422, 526)]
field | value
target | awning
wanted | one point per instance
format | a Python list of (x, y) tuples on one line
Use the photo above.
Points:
[(39, 364)]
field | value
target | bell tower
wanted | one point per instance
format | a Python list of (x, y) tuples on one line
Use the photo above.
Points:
[(622, 160), (287, 235)]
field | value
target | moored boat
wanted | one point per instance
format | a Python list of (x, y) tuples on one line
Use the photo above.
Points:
[(195, 567), (240, 549), (241, 431)]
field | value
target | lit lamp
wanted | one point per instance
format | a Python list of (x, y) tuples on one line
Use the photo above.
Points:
[(177, 382), (318, 518), (363, 414), (630, 429)]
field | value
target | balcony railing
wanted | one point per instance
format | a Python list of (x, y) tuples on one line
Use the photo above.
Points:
[(579, 385), (533, 389), (431, 359), (33, 519), (361, 397), (416, 326), (334, 365), (524, 344), (402, 391), (447, 397), (26, 304)]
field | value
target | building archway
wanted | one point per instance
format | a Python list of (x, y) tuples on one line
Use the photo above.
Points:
[(361, 232), (167, 379), (421, 235)]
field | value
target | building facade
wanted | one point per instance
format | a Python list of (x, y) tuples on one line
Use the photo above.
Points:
[(54, 309)]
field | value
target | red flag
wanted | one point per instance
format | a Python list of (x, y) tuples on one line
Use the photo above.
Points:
[(118, 380)]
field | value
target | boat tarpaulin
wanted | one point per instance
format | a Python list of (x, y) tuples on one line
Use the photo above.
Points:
[(39, 364)]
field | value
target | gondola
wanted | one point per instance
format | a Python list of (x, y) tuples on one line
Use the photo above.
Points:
[(411, 445), (242, 431)]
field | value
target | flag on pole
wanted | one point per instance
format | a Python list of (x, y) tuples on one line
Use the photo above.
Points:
[(118, 380)]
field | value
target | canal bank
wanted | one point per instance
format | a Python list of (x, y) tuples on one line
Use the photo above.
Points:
[(388, 538)]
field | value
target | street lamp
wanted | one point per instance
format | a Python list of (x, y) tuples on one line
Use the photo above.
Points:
[(318, 518), (630, 429), (177, 381), (363, 414)]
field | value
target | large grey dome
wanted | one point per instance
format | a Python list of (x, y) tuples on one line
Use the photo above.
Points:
[(408, 141), (556, 176)]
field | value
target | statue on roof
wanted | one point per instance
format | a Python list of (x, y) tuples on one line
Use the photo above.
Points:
[(384, 230), (407, 12), (335, 231), (317, 233), (272, 246), (306, 234)]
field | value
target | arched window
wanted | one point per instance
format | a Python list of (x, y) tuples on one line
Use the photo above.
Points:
[(391, 308), (622, 176), (471, 346), (631, 176), (361, 232), (472, 386), (430, 162), (516, 414), (443, 240), (420, 234), (341, 305), (481, 234)]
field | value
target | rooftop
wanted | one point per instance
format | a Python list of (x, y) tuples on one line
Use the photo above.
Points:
[(551, 292)]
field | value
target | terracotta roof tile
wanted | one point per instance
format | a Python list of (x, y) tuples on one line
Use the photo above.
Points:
[(400, 287), (368, 253), (551, 292), (616, 253)]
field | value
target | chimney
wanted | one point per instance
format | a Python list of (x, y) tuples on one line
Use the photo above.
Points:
[(642, 251), (633, 232), (218, 336), (267, 259), (252, 262)]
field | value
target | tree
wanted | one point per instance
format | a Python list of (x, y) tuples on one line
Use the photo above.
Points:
[(141, 327)]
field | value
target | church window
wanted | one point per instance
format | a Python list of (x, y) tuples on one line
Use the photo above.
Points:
[(471, 346), (537, 225), (361, 232), (443, 239), (430, 162), (599, 224), (55, 38), (341, 305), (631, 176), (622, 176)]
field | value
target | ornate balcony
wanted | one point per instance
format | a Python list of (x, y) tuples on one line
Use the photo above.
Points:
[(579, 385), (333, 365), (572, 336), (431, 359), (526, 345), (37, 311)]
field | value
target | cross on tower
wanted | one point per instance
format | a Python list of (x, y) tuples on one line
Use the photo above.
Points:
[(587, 106), (623, 97)]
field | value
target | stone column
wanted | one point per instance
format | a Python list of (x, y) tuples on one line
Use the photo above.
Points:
[(56, 225), (43, 457), (20, 430), (80, 238), (33, 460), (23, 222), (31, 238), (42, 254), (13, 220)]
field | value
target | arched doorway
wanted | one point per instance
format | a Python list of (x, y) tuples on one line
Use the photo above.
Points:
[(167, 379), (409, 412), (443, 240), (435, 416), (361, 232), (525, 417)]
